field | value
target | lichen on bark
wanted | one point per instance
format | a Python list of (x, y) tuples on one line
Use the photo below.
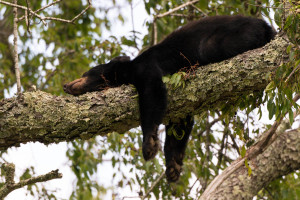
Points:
[(279, 159)]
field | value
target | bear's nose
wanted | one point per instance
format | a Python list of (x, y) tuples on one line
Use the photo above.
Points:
[(65, 87)]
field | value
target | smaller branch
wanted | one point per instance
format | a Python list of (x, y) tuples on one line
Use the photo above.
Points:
[(15, 5), (39, 16), (27, 17), (220, 152), (152, 187), (199, 10), (38, 10), (10, 185), (42, 87), (76, 17), (155, 31), (43, 8), (133, 197), (177, 8), (133, 28), (234, 144), (209, 125), (16, 59), (294, 70), (179, 15), (193, 185), (266, 6)]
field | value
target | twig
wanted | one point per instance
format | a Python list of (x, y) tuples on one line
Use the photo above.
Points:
[(15, 5), (177, 8), (193, 185), (199, 10), (266, 6), (209, 125), (220, 152), (294, 70), (42, 87), (27, 17), (76, 17), (128, 197), (43, 8), (38, 10), (155, 31), (234, 144), (132, 22), (153, 185), (16, 59), (178, 15), (10, 185)]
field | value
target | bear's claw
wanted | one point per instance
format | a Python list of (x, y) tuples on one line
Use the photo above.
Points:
[(151, 145), (173, 171)]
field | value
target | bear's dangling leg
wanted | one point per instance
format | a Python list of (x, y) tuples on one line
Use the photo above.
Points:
[(177, 136), (153, 103)]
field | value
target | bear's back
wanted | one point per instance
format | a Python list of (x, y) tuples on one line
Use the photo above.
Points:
[(213, 39)]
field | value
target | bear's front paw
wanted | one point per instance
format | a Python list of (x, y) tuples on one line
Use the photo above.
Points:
[(151, 145), (173, 171)]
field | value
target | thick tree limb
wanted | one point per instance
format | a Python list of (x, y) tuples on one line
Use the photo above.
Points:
[(279, 159), (39, 116)]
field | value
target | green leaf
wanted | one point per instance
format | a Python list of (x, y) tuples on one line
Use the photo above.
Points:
[(291, 116), (243, 151), (166, 79), (270, 86), (248, 167), (271, 108)]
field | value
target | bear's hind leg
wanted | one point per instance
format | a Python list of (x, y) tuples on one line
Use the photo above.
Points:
[(177, 136), (153, 103)]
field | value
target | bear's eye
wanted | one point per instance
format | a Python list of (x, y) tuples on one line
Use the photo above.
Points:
[(84, 74)]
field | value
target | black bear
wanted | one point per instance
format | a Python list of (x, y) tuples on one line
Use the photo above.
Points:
[(209, 40)]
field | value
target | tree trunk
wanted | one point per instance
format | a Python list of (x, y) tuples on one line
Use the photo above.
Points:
[(279, 159)]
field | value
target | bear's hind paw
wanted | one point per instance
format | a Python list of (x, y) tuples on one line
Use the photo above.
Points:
[(150, 148), (173, 171)]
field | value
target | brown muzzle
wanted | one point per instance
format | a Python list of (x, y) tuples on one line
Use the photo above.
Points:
[(76, 87)]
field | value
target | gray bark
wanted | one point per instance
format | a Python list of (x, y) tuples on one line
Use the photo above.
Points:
[(39, 116), (279, 159)]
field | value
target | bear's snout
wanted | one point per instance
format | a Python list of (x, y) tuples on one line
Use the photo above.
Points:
[(75, 87)]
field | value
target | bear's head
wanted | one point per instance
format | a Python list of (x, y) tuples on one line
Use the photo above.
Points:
[(98, 78)]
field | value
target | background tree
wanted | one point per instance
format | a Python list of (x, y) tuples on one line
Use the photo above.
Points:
[(219, 136)]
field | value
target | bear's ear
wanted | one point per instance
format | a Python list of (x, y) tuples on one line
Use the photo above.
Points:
[(121, 59)]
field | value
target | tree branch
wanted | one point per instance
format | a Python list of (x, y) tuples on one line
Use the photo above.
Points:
[(177, 8), (10, 185), (16, 57), (39, 116), (153, 185), (15, 5), (279, 159)]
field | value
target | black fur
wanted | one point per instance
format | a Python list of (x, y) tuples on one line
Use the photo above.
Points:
[(205, 41)]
